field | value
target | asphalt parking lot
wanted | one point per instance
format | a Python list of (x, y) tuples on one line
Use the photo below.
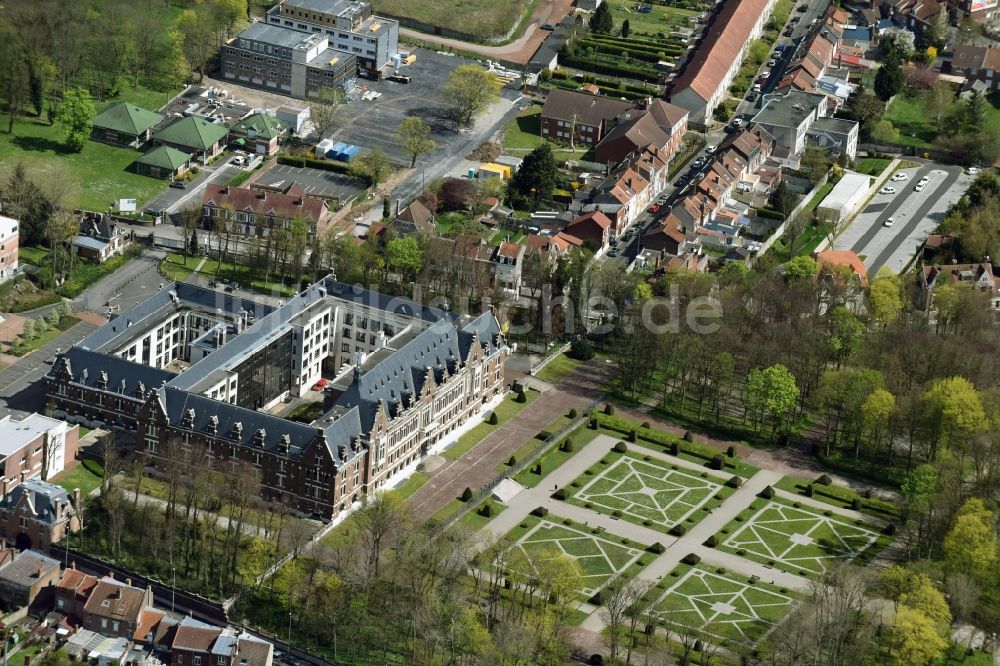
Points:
[(915, 215), (316, 182), (370, 124)]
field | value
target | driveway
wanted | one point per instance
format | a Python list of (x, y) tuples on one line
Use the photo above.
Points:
[(172, 200), (915, 215)]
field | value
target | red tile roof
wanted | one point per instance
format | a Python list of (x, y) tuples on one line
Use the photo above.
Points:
[(593, 217), (832, 258), (726, 36)]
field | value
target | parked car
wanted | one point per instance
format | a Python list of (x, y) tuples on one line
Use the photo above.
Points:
[(919, 187), (756, 87), (772, 62), (613, 253), (899, 176), (802, 8), (973, 171), (321, 384), (178, 185), (655, 208), (888, 189), (548, 26), (889, 222)]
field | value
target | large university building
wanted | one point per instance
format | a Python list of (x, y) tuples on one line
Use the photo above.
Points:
[(191, 367)]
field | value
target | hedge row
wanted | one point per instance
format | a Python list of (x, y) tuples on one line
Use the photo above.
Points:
[(607, 91), (639, 54), (325, 165), (666, 45), (625, 427), (614, 69)]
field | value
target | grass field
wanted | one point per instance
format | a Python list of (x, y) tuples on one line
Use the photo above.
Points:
[(483, 19), (819, 196), (798, 540), (558, 368), (908, 112), (646, 490), (505, 411), (523, 134), (661, 19), (722, 606), (86, 476), (600, 558), (872, 166), (173, 268), (39, 256)]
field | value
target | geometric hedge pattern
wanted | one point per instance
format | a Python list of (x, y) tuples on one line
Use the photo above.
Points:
[(722, 607), (799, 539), (599, 558), (648, 491)]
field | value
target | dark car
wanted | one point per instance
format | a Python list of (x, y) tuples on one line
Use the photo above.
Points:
[(548, 26), (801, 8), (177, 185)]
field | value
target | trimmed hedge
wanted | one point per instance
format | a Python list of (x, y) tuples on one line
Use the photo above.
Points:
[(767, 492), (734, 482), (540, 511), (511, 461), (609, 409), (678, 530), (467, 494), (716, 463), (486, 510), (492, 418), (572, 413), (614, 69), (567, 445), (711, 541), (559, 494), (620, 447), (824, 480), (691, 559), (657, 548), (312, 162)]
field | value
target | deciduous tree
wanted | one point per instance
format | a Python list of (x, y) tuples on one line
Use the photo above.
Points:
[(76, 115), (468, 91), (414, 136)]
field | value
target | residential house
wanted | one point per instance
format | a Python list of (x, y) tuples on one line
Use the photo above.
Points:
[(978, 10), (976, 276), (258, 133), (113, 607), (195, 643), (27, 580), (788, 118), (754, 145), (977, 63), (584, 118), (717, 58), (37, 514), (194, 136), (163, 162), (915, 15), (100, 237), (593, 228), (260, 212), (508, 264), (838, 135), (9, 244), (836, 260), (413, 220), (292, 117), (34, 447), (124, 124), (72, 592), (659, 127), (670, 237)]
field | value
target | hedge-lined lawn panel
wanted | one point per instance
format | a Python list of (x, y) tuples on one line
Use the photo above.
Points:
[(600, 558), (647, 490), (799, 540), (722, 607)]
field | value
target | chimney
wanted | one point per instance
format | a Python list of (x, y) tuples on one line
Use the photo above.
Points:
[(73, 565), (128, 581), (41, 570), (111, 574), (225, 190)]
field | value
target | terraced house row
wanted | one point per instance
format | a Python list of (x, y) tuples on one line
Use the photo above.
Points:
[(194, 371)]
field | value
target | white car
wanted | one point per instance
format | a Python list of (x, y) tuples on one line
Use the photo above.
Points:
[(973, 171), (919, 187), (889, 222), (899, 176), (925, 179), (756, 87), (888, 189)]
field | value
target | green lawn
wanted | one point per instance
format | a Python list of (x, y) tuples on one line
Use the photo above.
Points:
[(841, 497), (872, 166), (908, 112), (412, 484), (661, 19), (558, 368), (99, 173), (485, 19), (797, 539), (722, 605), (647, 491), (86, 476), (523, 134), (819, 196), (505, 411), (173, 268), (475, 521), (18, 658), (38, 256), (23, 347)]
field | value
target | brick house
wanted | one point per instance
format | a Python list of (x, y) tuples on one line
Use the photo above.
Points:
[(34, 447), (977, 276), (113, 607), (659, 127), (198, 644), (194, 136), (26, 578), (586, 117), (259, 212), (125, 125), (100, 237), (592, 228), (977, 63), (259, 133), (37, 514)]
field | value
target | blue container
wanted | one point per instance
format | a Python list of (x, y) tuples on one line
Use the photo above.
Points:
[(349, 153), (336, 151)]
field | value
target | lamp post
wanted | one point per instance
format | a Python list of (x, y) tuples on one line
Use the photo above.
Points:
[(289, 633), (173, 588)]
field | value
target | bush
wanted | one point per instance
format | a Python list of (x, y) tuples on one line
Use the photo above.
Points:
[(559, 494), (741, 552), (632, 436), (543, 435), (609, 409), (597, 599), (620, 447), (572, 413), (645, 424), (675, 449), (647, 523), (730, 451), (824, 480), (537, 469), (567, 445), (657, 548), (521, 397), (616, 514), (889, 529), (698, 645), (716, 463), (809, 490), (540, 511), (734, 482), (492, 418), (486, 510), (511, 461), (581, 350), (593, 424), (691, 559), (596, 659), (767, 492), (711, 541), (856, 504), (688, 437), (678, 530), (467, 494)]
